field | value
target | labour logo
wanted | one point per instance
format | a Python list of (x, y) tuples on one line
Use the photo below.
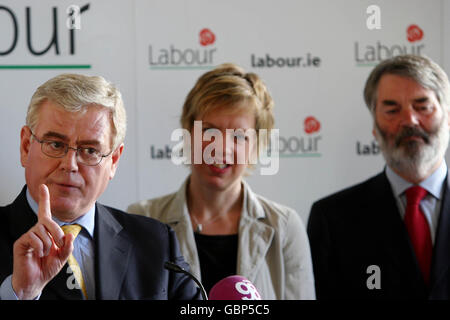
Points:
[(311, 125), (414, 33), (207, 37)]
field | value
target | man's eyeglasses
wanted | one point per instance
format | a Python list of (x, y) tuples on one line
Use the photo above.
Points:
[(57, 149)]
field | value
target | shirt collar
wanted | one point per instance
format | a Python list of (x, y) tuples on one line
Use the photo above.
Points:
[(87, 221), (433, 184)]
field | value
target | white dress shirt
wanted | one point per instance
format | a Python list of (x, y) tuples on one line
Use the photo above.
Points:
[(432, 202)]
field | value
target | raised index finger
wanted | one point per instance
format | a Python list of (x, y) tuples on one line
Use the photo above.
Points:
[(44, 213), (45, 216)]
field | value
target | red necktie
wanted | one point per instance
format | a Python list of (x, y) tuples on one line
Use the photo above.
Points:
[(418, 229)]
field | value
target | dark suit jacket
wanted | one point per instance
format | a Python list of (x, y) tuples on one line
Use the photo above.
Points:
[(130, 252), (361, 226)]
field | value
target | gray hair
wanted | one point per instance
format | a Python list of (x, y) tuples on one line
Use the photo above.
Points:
[(419, 68), (76, 93)]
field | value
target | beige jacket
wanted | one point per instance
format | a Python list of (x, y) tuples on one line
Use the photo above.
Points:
[(273, 248)]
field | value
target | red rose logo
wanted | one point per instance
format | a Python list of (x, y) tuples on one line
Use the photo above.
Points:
[(311, 125), (414, 33), (207, 37)]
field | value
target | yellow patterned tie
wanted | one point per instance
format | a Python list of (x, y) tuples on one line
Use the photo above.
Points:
[(75, 267)]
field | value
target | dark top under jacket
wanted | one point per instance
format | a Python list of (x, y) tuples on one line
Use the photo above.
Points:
[(218, 257)]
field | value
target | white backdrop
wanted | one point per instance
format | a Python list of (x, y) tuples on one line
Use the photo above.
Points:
[(153, 52)]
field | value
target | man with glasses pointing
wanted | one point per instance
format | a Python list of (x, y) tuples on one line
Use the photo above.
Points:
[(70, 148)]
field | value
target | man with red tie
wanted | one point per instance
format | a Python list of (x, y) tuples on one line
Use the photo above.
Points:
[(389, 237)]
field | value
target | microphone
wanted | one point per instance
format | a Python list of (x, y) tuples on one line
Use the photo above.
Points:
[(169, 265), (234, 288)]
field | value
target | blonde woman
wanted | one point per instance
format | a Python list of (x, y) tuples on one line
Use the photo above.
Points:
[(224, 228)]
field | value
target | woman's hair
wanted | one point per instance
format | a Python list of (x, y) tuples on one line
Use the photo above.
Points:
[(76, 93), (229, 86)]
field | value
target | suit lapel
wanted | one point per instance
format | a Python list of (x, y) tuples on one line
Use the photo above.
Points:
[(177, 217), (254, 241), (185, 235), (22, 216), (113, 249), (441, 251), (255, 236)]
